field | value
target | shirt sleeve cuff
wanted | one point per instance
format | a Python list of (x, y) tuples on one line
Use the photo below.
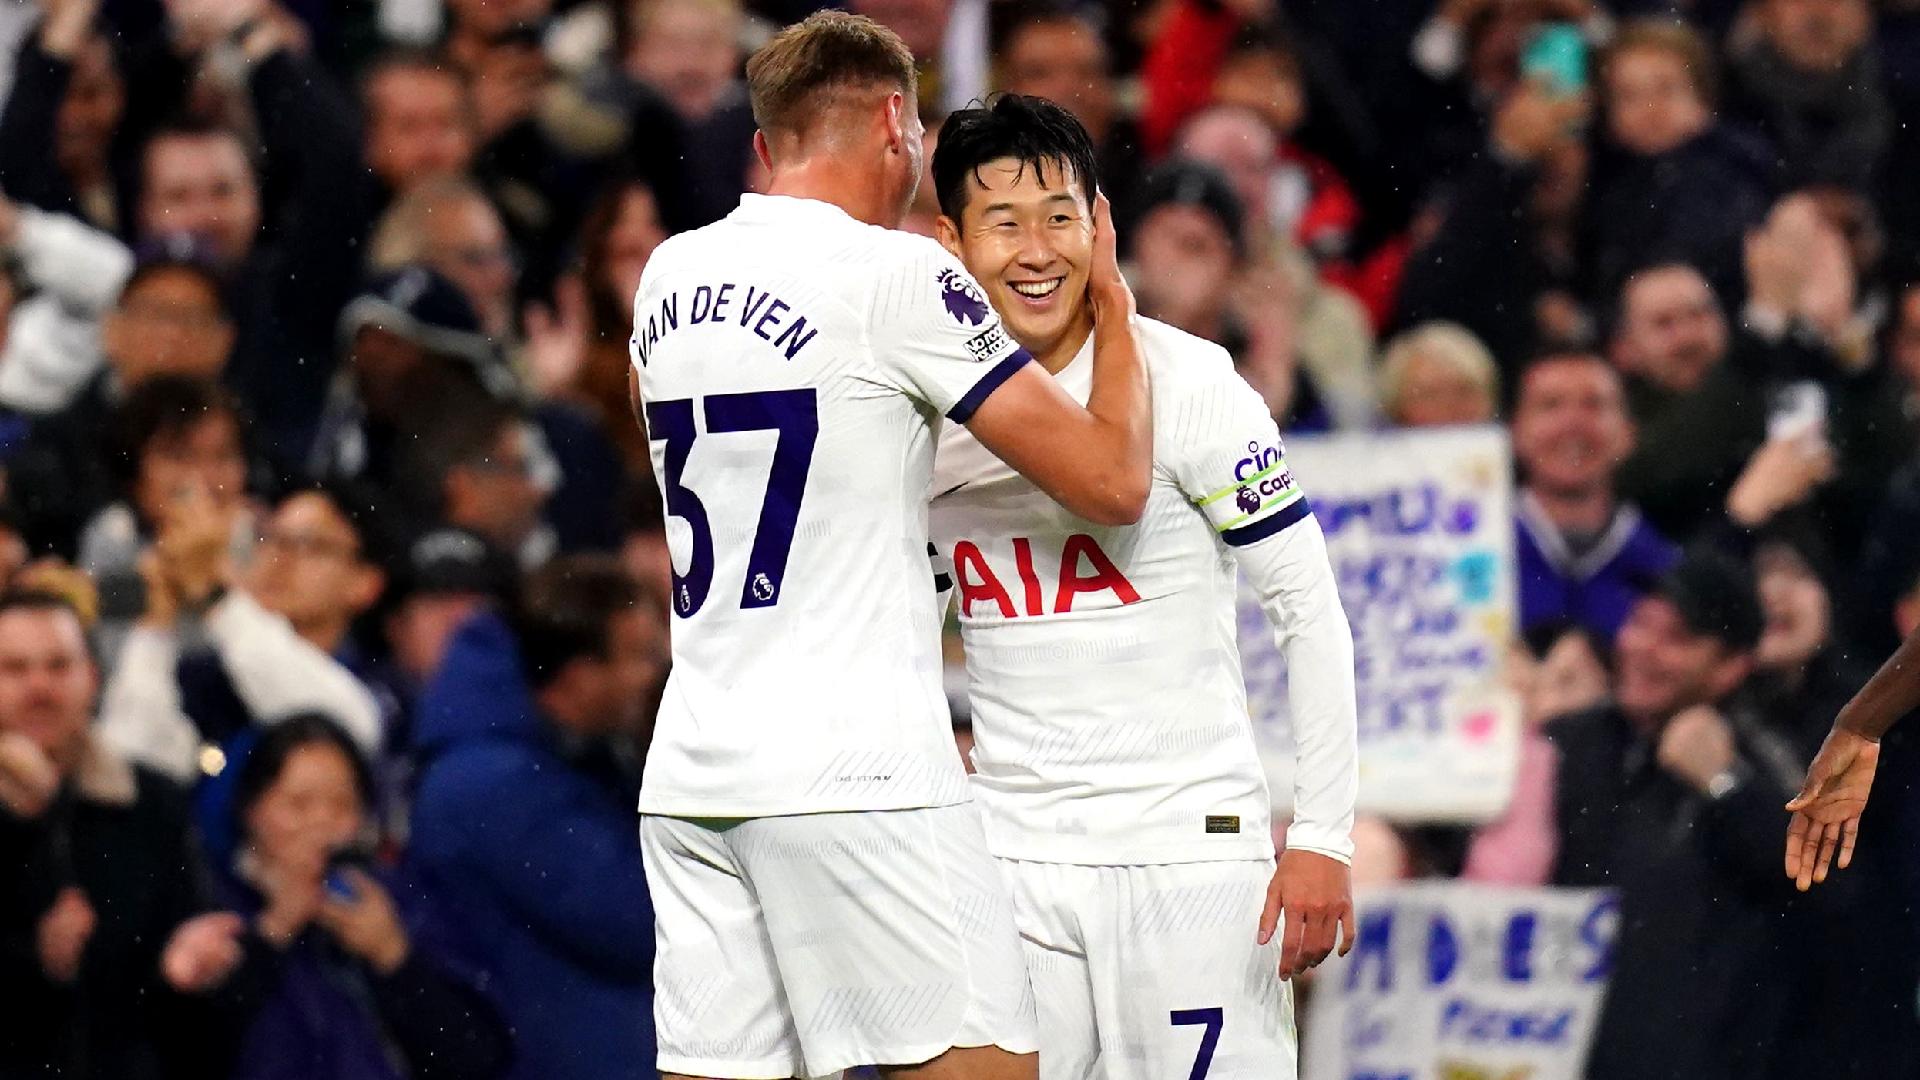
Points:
[(1320, 840), (971, 401)]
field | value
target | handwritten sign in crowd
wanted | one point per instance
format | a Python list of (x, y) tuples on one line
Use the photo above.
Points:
[(1452, 981), (1419, 528)]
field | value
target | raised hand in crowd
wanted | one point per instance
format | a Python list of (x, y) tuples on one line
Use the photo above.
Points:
[(195, 545), (1534, 121), (203, 952), (1780, 475), (63, 933), (1696, 746), (1266, 301), (28, 778), (363, 919), (557, 336), (65, 25)]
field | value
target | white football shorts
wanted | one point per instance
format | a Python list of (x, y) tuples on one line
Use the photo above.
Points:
[(1153, 972), (812, 943)]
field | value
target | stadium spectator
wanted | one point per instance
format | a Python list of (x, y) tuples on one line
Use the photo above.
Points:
[(577, 349), (1582, 554), (258, 664), (549, 883), (449, 576), (689, 52), (1503, 254), (1674, 182), (1562, 670), (486, 470), (410, 338), (1057, 53), (1190, 268), (448, 225), (419, 120), (99, 868), (170, 319), (325, 965), (1671, 793), (1438, 373), (72, 273), (1809, 81), (175, 443), (63, 147), (1297, 216)]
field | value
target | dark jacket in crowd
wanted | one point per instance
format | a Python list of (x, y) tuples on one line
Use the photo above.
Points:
[(1696, 991), (547, 884), (1592, 582), (1823, 127), (316, 1012), (1693, 203), (1482, 267), (119, 834)]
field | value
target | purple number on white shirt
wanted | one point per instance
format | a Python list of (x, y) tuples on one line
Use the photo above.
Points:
[(794, 414)]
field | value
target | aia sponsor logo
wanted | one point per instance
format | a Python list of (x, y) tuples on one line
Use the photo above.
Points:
[(1085, 570)]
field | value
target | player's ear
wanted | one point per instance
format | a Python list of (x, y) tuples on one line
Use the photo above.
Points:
[(761, 150), (947, 231), (896, 120)]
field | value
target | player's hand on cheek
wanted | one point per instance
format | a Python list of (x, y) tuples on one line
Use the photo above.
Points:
[(1314, 893), (1109, 291)]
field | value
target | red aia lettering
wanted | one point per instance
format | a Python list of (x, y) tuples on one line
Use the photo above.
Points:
[(1105, 575), (966, 556)]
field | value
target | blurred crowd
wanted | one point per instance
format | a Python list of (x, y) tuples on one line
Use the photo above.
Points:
[(334, 569)]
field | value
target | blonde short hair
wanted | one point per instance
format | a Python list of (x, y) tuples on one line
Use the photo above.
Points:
[(798, 75), (1448, 342)]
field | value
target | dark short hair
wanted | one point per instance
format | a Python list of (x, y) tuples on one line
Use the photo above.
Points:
[(267, 758), (361, 506), (190, 126), (566, 611), (1037, 133), (1715, 596), (408, 58), (164, 407), (795, 77), (463, 429)]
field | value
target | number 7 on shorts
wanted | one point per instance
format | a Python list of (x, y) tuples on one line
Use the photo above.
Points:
[(1213, 1018)]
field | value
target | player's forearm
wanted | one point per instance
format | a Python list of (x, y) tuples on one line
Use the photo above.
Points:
[(1893, 692), (1296, 586), (1120, 402)]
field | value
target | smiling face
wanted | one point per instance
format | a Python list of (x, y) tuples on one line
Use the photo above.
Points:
[(1570, 427), (1026, 234)]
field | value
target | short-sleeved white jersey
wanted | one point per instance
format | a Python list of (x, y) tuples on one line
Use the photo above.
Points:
[(1109, 711), (793, 366)]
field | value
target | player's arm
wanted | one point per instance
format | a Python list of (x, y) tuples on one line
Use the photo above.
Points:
[(1096, 461), (1826, 813), (1264, 519)]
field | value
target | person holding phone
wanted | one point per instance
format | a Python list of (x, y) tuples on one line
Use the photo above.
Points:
[(330, 968)]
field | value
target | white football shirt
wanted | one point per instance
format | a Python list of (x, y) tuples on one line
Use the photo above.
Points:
[(1109, 712), (793, 365)]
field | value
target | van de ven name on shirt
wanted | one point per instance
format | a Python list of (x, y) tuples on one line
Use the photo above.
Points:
[(753, 308)]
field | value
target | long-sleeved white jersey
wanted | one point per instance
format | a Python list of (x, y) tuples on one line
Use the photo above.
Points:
[(1109, 714)]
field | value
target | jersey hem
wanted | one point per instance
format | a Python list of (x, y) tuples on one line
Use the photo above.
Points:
[(1079, 851), (668, 806)]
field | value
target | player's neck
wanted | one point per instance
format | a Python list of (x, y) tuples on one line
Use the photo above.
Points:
[(860, 192), (1057, 354)]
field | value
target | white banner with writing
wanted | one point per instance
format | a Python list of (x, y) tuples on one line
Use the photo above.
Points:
[(1419, 526), (1454, 981)]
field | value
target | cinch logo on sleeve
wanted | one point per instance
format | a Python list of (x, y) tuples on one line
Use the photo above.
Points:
[(962, 298)]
